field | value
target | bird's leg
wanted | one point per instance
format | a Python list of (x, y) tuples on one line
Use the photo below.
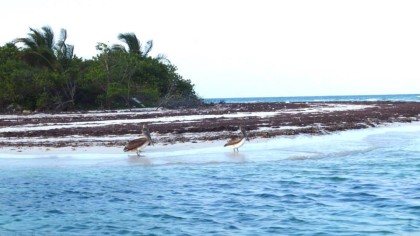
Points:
[(138, 153)]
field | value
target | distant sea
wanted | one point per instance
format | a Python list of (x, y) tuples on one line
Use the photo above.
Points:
[(394, 97)]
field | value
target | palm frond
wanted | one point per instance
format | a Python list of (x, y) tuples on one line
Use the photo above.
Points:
[(118, 48), (162, 58), (62, 40), (48, 36), (69, 51), (27, 42), (37, 37), (147, 48), (133, 44)]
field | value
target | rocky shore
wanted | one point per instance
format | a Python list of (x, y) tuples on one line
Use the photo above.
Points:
[(206, 123)]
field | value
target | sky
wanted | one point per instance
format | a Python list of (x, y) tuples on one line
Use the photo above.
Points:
[(249, 48)]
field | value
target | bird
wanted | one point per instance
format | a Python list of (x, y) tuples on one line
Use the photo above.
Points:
[(136, 145), (235, 142), (370, 122)]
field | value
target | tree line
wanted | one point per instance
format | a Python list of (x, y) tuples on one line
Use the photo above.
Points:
[(42, 73)]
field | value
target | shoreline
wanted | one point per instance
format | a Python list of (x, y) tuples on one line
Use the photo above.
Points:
[(217, 123), (283, 148)]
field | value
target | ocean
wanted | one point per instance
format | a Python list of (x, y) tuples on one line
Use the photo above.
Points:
[(357, 182), (394, 97)]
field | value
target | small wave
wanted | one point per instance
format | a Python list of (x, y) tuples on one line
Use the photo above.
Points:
[(124, 231), (415, 208), (116, 199), (161, 216), (359, 197), (302, 158), (171, 217), (334, 178), (296, 220), (267, 195), (55, 211)]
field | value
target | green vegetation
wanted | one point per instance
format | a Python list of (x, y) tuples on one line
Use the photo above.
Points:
[(44, 74)]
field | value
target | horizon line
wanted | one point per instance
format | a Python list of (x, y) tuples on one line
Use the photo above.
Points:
[(294, 96)]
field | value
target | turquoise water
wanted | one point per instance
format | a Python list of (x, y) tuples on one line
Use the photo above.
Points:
[(394, 97), (362, 182)]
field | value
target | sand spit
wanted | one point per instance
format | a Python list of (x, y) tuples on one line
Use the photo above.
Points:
[(207, 123)]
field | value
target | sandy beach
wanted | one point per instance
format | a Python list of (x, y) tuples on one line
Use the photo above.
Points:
[(208, 124)]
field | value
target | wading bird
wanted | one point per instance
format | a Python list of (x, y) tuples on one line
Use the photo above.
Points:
[(236, 143), (139, 144)]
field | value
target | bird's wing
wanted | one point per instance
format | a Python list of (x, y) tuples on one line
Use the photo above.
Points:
[(233, 141), (133, 144)]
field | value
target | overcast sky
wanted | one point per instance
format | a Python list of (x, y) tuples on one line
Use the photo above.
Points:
[(241, 48)]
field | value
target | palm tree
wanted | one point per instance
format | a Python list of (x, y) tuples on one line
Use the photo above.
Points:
[(133, 44), (135, 47), (42, 51), (64, 52)]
